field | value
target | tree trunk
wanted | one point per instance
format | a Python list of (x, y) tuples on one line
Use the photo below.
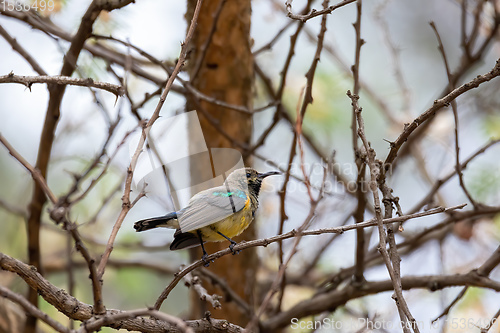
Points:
[(221, 66)]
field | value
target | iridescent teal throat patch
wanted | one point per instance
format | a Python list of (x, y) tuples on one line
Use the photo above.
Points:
[(240, 194)]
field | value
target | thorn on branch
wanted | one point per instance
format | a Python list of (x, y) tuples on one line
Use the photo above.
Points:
[(391, 143), (433, 286)]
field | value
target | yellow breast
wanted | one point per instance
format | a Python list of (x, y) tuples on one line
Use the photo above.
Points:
[(231, 226)]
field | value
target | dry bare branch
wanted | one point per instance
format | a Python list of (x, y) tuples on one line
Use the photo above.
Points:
[(391, 258), (195, 283), (437, 105), (73, 308), (266, 241), (314, 12), (28, 81)]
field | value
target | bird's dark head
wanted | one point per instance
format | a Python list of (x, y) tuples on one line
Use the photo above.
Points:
[(250, 177)]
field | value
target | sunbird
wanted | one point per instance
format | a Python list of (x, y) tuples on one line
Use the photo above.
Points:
[(214, 215)]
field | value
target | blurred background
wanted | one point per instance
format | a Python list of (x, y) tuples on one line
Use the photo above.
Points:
[(401, 74)]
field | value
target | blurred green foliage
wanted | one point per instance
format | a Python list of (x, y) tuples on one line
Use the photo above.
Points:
[(484, 183)]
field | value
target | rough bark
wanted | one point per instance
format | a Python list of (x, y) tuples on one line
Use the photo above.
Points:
[(223, 68)]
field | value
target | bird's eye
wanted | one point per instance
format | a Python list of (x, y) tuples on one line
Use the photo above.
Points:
[(248, 175)]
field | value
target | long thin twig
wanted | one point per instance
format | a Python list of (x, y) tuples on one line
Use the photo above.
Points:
[(19, 49), (394, 52), (293, 233), (314, 12), (438, 104), (28, 81), (306, 101), (269, 45), (277, 285), (130, 171), (454, 108), (311, 263), (35, 173), (469, 59), (369, 90), (359, 155), (440, 182), (277, 95), (491, 322), (445, 312), (188, 87)]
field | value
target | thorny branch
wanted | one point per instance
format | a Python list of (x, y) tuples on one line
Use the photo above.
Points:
[(393, 269), (77, 310), (195, 283), (28, 81), (314, 12), (291, 234), (129, 320)]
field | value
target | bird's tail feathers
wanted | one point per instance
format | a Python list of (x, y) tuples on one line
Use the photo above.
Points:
[(167, 221), (184, 240)]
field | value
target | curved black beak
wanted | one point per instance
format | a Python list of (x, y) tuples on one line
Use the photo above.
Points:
[(270, 173)]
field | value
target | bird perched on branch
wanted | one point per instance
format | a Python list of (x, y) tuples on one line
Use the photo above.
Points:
[(213, 215)]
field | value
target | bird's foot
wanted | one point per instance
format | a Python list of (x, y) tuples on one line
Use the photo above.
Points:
[(206, 262), (231, 247)]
